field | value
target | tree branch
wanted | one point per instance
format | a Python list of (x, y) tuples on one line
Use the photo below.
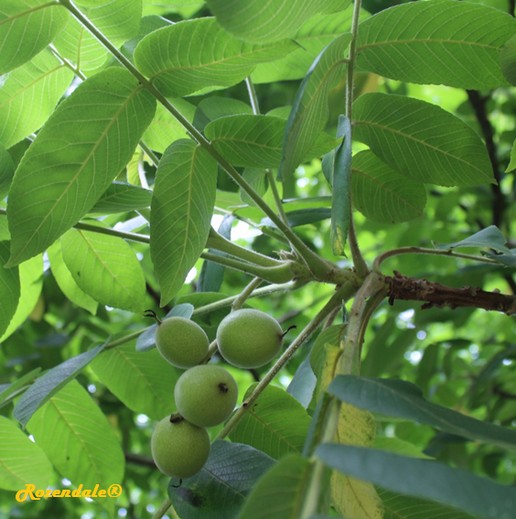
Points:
[(435, 294)]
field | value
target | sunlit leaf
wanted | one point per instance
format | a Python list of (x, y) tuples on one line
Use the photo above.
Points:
[(193, 54), (26, 28), (443, 41), (181, 209), (21, 460), (42, 81), (78, 439), (75, 157), (258, 21), (421, 140), (9, 289)]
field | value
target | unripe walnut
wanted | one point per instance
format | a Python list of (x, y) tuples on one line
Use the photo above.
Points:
[(249, 338), (178, 447), (206, 395), (182, 342)]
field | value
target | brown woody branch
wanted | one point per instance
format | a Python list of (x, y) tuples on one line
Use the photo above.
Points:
[(435, 294)]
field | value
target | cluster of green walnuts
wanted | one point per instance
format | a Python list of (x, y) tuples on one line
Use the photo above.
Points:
[(206, 393)]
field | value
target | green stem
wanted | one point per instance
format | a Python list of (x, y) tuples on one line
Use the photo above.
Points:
[(343, 293), (358, 259), (274, 274), (246, 293), (163, 509), (317, 265), (421, 250), (218, 242), (253, 98)]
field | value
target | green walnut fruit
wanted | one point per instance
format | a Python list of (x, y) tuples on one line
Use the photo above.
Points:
[(178, 447), (182, 342), (249, 338), (206, 395)]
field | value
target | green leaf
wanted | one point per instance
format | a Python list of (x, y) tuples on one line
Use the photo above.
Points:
[(508, 60), (481, 497), (248, 140), (9, 289), (382, 194), (66, 282), (194, 54), (315, 34), (489, 238), (341, 196), (281, 493), (220, 488), (78, 439), (6, 171), (21, 460), (50, 383), (118, 20), (443, 41), (31, 282), (26, 28), (406, 507), (41, 82), (105, 267), (142, 381), (213, 107), (10, 391), (404, 400), (276, 424), (512, 163), (181, 209), (121, 197), (75, 157), (421, 141), (310, 110), (261, 22), (165, 128)]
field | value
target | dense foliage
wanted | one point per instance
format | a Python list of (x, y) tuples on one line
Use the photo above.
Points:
[(345, 167)]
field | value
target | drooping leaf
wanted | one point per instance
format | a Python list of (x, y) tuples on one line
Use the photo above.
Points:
[(274, 20), (41, 82), (78, 439), (9, 289), (191, 55), (341, 188), (118, 20), (31, 282), (75, 157), (421, 140), (512, 163), (220, 488), (310, 110), (404, 400), (283, 488), (105, 267), (443, 41), (26, 28), (382, 194), (66, 282), (181, 209), (21, 460), (276, 424), (478, 496), (142, 381), (46, 386)]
